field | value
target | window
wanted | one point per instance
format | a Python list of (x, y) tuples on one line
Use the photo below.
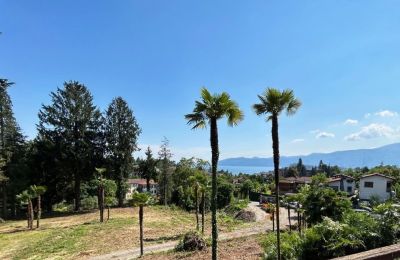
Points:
[(368, 184), (388, 186), (349, 189), (349, 181)]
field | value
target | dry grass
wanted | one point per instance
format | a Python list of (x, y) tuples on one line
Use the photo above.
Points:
[(81, 235)]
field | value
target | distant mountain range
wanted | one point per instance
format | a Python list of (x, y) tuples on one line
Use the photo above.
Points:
[(388, 155)]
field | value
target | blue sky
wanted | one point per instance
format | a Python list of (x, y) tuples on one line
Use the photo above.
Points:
[(342, 59)]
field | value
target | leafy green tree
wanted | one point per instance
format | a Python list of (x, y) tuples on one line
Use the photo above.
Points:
[(122, 132), (141, 200), (321, 201), (272, 103), (209, 110), (166, 171), (246, 187), (37, 192), (110, 190)]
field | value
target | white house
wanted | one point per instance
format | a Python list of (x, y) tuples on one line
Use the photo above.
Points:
[(377, 185), (140, 185), (343, 183)]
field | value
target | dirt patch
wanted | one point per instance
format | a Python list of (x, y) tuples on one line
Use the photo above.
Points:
[(241, 248)]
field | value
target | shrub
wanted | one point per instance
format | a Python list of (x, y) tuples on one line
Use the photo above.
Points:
[(63, 206), (89, 203), (192, 241), (290, 246), (236, 206)]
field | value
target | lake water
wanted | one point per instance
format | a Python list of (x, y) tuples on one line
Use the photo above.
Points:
[(245, 169)]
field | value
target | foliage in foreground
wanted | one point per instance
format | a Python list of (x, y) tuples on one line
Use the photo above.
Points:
[(356, 232)]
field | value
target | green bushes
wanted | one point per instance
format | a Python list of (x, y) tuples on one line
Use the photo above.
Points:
[(89, 203), (291, 246), (355, 233), (236, 206)]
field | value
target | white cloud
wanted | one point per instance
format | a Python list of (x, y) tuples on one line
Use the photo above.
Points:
[(299, 140), (324, 135), (367, 115), (386, 113), (372, 131), (350, 122)]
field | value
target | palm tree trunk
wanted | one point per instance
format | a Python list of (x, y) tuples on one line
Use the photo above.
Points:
[(30, 213), (203, 209), (214, 165), (77, 190), (108, 213), (4, 209), (290, 224), (148, 183), (197, 207), (275, 148), (101, 203), (141, 229), (273, 221), (39, 211), (298, 220)]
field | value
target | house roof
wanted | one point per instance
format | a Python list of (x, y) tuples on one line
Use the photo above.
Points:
[(339, 177), (343, 176), (140, 181), (296, 180), (333, 179), (376, 174)]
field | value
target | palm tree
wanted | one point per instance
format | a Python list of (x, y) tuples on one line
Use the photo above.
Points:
[(37, 192), (273, 102), (25, 197), (140, 200), (209, 110), (100, 172)]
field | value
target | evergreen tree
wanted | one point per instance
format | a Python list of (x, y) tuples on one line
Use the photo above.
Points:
[(72, 124), (12, 149), (166, 171), (121, 131), (147, 168)]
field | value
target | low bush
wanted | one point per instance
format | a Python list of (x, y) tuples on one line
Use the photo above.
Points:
[(62, 207), (89, 203), (236, 206)]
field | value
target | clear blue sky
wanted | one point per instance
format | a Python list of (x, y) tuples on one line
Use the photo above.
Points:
[(342, 59)]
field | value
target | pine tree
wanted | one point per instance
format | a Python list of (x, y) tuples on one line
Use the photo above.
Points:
[(12, 149), (166, 170), (121, 131), (147, 168), (72, 123)]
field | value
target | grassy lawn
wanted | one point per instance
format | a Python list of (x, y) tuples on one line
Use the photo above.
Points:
[(81, 235), (240, 248)]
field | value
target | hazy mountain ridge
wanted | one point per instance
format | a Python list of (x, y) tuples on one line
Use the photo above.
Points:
[(388, 155)]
